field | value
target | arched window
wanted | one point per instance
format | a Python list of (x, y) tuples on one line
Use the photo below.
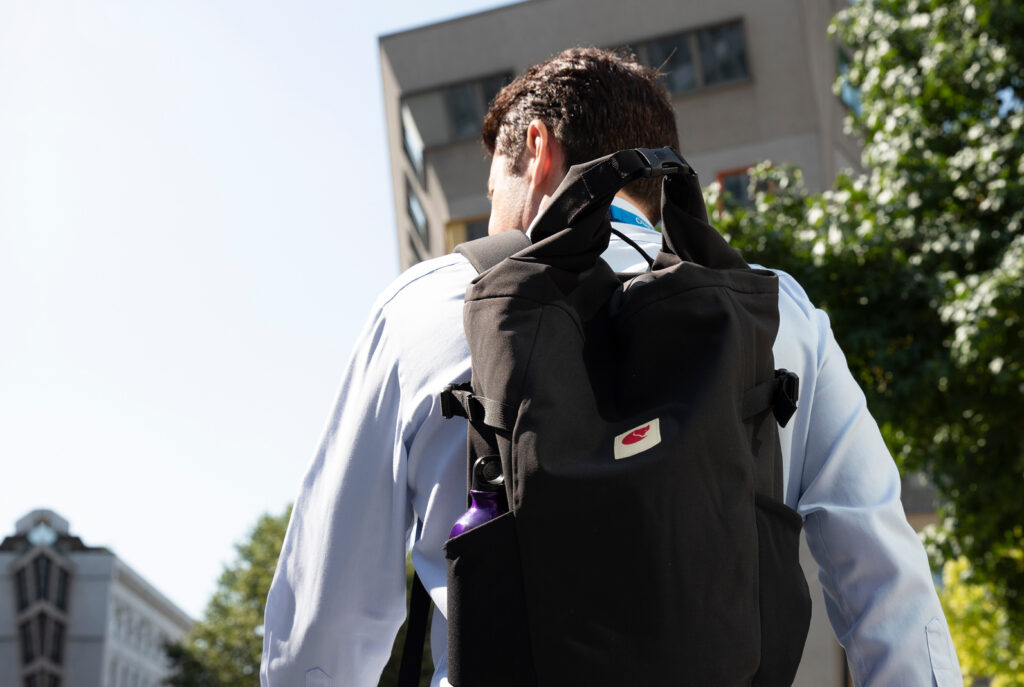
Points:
[(41, 567), (22, 583)]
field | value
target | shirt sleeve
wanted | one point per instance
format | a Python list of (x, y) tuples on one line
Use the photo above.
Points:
[(879, 592), (338, 595)]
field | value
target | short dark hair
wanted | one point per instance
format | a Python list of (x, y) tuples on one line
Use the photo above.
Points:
[(595, 102)]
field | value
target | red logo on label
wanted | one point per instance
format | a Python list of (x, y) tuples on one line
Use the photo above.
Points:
[(636, 435)]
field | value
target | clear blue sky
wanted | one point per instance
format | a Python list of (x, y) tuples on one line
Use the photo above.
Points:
[(195, 218)]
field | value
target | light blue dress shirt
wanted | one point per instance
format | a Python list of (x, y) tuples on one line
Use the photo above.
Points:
[(388, 460)]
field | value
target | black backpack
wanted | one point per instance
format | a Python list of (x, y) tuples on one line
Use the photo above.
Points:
[(645, 540)]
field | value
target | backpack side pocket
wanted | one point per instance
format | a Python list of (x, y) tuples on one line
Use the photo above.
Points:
[(785, 603), (488, 641)]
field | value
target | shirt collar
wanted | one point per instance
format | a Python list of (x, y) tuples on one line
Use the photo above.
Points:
[(624, 212)]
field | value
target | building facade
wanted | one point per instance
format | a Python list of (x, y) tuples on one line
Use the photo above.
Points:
[(73, 615), (749, 82)]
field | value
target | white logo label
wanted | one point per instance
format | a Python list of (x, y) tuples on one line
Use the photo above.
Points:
[(638, 439)]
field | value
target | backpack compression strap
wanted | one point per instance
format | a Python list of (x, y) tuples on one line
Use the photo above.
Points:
[(415, 635)]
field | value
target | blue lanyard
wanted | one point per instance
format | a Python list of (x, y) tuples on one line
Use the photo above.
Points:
[(617, 214)]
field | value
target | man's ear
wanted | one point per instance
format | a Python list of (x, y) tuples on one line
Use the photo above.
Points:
[(546, 166)]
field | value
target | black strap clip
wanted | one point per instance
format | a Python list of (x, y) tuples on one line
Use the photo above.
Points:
[(787, 393), (459, 399), (661, 161), (452, 405)]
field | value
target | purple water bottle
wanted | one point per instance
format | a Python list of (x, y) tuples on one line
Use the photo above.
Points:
[(486, 494)]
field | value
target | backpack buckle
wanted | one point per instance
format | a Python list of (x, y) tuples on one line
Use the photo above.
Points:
[(452, 405), (786, 395), (661, 161)]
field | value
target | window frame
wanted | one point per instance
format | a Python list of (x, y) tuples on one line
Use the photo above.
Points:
[(422, 232), (27, 635), (42, 574), (846, 89), (63, 588), (481, 104), (724, 174), (691, 38), (457, 230), (23, 594)]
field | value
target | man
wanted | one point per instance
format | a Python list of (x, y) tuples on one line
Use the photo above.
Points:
[(390, 465)]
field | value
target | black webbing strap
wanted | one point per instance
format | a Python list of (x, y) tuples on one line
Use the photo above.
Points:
[(415, 633), (780, 393), (635, 245), (484, 253), (459, 399)]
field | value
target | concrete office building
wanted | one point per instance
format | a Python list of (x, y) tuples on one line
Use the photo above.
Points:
[(749, 82), (73, 615)]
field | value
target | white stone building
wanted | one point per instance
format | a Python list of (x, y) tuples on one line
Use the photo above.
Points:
[(73, 615)]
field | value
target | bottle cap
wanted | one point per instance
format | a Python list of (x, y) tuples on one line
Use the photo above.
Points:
[(487, 475)]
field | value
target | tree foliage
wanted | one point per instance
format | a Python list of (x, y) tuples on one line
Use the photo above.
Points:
[(920, 261), (224, 648), (989, 647), (943, 125)]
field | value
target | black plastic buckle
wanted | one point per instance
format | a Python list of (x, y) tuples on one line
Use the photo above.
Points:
[(786, 396), (450, 406), (661, 161), (447, 401)]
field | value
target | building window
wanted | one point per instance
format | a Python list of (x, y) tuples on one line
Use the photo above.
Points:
[(41, 566), (674, 57), (417, 256), (698, 58), (412, 141), (460, 232), (446, 115), (57, 643), (62, 589), (735, 186), (723, 55), (476, 230), (28, 648), (848, 94), (463, 107), (417, 215), (22, 583), (42, 627), (42, 535)]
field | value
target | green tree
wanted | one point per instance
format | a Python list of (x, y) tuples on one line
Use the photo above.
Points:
[(223, 649), (943, 125), (988, 646), (920, 262)]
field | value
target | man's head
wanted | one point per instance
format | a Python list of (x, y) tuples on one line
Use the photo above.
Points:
[(577, 106)]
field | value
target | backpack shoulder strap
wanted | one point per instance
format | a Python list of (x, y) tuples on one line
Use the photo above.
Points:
[(415, 635), (484, 253)]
